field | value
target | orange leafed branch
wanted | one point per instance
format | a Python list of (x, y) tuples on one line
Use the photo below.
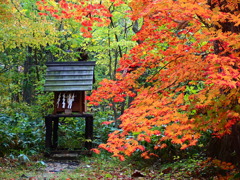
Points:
[(84, 12)]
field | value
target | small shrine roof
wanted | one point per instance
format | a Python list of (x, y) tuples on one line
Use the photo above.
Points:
[(69, 76)]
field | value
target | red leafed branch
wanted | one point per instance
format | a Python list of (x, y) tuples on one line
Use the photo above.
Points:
[(84, 12)]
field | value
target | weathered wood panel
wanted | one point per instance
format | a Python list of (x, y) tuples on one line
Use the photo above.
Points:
[(68, 83), (63, 78), (69, 73), (70, 68), (69, 76), (67, 88)]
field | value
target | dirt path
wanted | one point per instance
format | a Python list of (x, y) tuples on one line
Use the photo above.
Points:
[(58, 166), (52, 169)]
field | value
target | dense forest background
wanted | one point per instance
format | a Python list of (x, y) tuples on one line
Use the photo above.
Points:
[(167, 76), (28, 41)]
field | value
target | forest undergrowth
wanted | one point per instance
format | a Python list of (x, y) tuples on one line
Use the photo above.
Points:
[(105, 167)]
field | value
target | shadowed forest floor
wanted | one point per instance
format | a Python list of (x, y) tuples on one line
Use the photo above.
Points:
[(107, 169)]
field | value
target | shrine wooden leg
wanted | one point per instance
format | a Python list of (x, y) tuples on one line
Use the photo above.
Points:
[(48, 139), (55, 132), (89, 132)]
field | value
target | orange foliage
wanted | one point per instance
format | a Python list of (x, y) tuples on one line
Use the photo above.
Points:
[(5, 12), (184, 42), (199, 47), (228, 167)]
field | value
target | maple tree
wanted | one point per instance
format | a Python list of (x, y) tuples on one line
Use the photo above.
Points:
[(182, 44)]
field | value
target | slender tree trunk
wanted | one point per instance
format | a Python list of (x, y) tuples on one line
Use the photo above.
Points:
[(27, 83), (116, 115), (110, 56), (16, 96), (36, 65)]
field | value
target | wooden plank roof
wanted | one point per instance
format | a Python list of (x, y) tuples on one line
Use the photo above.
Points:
[(69, 76)]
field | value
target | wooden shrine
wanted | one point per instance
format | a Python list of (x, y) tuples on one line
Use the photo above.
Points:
[(69, 81)]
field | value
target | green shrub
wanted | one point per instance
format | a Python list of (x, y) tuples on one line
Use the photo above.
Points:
[(20, 134)]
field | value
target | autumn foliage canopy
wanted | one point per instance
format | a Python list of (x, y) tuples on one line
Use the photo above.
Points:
[(183, 76)]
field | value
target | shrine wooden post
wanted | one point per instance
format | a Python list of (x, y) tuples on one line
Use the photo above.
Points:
[(52, 122)]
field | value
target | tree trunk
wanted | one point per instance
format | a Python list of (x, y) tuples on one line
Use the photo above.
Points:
[(227, 148), (27, 83)]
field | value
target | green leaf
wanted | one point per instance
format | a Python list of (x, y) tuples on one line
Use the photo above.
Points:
[(108, 176), (236, 176)]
